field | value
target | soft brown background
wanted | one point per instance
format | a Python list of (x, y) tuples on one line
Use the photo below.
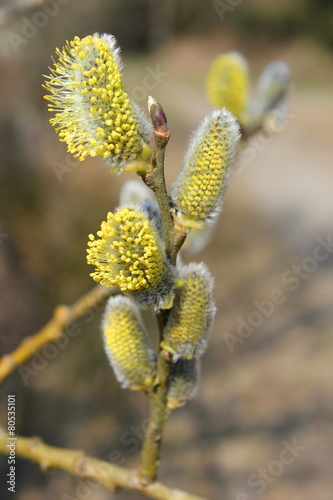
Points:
[(277, 385)]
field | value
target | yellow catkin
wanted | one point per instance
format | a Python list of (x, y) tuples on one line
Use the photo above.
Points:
[(200, 185), (192, 314), (126, 344), (94, 115), (228, 83), (183, 382), (129, 253)]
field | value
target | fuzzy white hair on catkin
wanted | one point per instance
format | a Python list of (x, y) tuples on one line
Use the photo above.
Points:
[(113, 45), (226, 120), (126, 305)]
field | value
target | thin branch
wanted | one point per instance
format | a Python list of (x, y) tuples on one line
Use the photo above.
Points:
[(158, 414), (77, 463), (53, 330), (251, 129), (155, 180)]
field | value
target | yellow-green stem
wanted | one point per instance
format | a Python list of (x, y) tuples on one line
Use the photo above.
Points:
[(158, 413)]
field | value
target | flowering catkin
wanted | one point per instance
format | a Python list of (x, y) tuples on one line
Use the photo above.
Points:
[(228, 83), (129, 253), (192, 314), (94, 114), (126, 344), (200, 185), (183, 382)]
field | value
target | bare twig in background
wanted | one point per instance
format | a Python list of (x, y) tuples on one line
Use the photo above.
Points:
[(81, 465), (53, 330), (158, 413)]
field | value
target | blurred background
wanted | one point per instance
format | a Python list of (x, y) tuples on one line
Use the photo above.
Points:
[(264, 391)]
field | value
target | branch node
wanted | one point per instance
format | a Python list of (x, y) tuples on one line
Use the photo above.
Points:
[(7, 358), (62, 314), (45, 466)]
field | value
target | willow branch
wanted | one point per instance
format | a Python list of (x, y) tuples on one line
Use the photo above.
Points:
[(53, 330), (158, 414), (77, 463), (250, 129), (173, 238), (155, 180)]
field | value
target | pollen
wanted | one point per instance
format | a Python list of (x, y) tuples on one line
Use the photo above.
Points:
[(94, 115), (228, 83), (200, 185), (127, 346), (192, 314), (129, 253)]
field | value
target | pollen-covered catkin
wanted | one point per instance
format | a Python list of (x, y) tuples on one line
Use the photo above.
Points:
[(126, 344), (183, 382), (228, 83), (93, 113), (129, 253), (192, 314), (200, 185)]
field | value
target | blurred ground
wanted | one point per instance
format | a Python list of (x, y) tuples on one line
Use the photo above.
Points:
[(261, 426)]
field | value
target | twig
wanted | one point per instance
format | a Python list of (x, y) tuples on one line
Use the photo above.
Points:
[(155, 180), (53, 330), (158, 413), (81, 465)]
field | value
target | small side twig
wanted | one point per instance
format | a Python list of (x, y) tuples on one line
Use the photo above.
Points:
[(53, 330)]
